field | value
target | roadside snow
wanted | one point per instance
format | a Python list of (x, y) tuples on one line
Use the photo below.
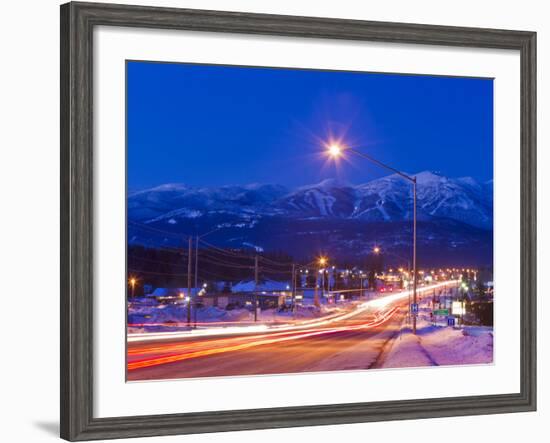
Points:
[(406, 352), (157, 317), (437, 346)]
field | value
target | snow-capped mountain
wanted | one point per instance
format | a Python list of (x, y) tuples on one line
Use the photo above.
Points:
[(330, 198), (462, 199), (385, 199), (454, 214), (170, 201)]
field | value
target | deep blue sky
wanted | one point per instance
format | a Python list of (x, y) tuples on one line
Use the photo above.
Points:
[(215, 125)]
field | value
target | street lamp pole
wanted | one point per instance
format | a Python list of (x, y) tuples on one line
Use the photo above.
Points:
[(336, 151)]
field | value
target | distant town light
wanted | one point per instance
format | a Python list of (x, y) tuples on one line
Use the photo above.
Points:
[(458, 308)]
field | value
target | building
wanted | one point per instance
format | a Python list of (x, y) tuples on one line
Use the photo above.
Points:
[(389, 282), (172, 295)]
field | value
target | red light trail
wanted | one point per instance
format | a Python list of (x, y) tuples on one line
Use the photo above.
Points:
[(241, 343)]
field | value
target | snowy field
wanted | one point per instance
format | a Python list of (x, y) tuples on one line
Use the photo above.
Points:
[(159, 317)]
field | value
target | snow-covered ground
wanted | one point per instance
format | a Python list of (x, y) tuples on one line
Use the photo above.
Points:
[(159, 317), (438, 345)]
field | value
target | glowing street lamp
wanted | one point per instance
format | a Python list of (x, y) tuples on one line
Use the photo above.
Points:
[(335, 150), (133, 285), (322, 261), (376, 250)]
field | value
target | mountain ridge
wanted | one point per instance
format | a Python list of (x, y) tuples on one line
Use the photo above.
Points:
[(388, 199)]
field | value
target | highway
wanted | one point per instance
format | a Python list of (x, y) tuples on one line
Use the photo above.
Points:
[(353, 339)]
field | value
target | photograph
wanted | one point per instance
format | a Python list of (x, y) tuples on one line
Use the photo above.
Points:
[(286, 220)]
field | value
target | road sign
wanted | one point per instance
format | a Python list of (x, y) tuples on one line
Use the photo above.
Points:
[(450, 321), (414, 308), (441, 312)]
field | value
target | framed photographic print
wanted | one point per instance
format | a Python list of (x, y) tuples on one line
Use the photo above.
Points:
[(272, 221)]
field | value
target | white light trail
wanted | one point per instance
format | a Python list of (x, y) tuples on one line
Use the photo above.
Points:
[(378, 303)]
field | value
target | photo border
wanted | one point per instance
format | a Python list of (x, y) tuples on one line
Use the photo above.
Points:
[(77, 23)]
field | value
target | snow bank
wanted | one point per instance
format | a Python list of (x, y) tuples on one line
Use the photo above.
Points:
[(439, 346), (448, 346)]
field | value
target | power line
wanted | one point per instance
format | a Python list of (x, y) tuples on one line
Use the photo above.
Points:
[(140, 271), (274, 263), (225, 251), (135, 257), (274, 271), (218, 254), (219, 276), (226, 264), (161, 231), (151, 245)]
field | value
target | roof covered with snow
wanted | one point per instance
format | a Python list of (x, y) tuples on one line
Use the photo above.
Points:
[(267, 285), (171, 292)]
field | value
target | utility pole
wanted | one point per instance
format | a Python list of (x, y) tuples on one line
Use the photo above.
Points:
[(196, 261), (323, 282), (256, 288), (189, 268), (196, 277), (293, 286), (316, 293)]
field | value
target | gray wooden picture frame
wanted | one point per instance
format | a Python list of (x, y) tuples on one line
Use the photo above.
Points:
[(77, 23)]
